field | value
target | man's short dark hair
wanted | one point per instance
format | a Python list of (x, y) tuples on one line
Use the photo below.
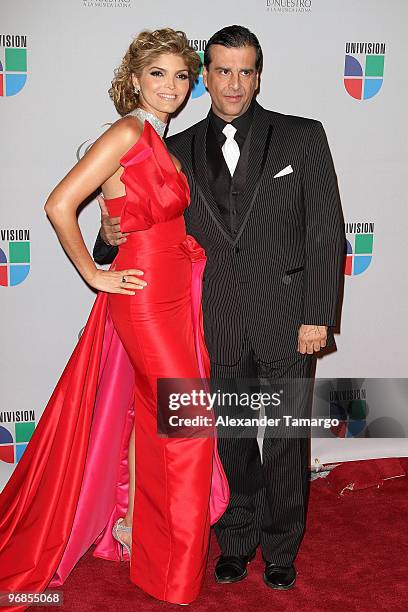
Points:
[(234, 36)]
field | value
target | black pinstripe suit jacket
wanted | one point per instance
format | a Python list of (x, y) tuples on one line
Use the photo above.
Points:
[(284, 266)]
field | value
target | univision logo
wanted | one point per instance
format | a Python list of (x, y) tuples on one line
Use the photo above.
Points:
[(198, 44), (16, 430), (13, 63), (349, 407), (14, 256), (359, 247), (364, 69)]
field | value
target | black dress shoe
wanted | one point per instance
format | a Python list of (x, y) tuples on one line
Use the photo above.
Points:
[(232, 569), (279, 576)]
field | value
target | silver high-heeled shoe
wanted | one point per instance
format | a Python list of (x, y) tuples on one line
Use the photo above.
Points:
[(117, 528)]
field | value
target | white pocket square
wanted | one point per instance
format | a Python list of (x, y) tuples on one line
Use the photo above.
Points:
[(283, 172)]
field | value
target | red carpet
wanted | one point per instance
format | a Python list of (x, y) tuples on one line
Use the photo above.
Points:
[(354, 556)]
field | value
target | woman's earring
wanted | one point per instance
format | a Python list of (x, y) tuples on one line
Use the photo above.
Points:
[(137, 91)]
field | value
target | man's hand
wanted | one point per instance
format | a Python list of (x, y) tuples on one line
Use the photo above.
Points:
[(110, 227), (311, 338)]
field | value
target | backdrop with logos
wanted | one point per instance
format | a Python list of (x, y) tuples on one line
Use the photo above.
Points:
[(342, 62)]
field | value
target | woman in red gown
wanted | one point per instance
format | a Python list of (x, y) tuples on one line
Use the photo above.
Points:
[(95, 470)]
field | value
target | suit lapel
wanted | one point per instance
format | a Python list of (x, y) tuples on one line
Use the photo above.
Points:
[(262, 144), (261, 137), (200, 172)]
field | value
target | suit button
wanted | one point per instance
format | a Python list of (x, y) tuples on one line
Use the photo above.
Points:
[(234, 212), (235, 193), (236, 249)]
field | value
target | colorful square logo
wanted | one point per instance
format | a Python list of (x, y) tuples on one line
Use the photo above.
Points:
[(358, 258), (14, 438), (14, 266), (363, 75), (13, 70)]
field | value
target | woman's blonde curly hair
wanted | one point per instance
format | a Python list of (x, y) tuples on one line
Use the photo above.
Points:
[(142, 52)]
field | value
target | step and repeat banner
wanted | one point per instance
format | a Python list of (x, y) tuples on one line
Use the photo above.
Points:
[(340, 61)]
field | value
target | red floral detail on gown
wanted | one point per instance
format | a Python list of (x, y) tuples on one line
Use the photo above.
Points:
[(162, 194)]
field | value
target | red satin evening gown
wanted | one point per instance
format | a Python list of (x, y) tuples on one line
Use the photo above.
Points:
[(71, 483)]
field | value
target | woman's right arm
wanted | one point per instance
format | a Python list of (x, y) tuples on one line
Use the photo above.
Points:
[(99, 164)]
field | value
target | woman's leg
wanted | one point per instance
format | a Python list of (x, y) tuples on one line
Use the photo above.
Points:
[(128, 519)]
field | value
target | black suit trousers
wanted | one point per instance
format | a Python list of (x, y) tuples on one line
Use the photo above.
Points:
[(269, 496)]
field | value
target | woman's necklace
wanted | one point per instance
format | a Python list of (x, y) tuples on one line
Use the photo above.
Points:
[(159, 126)]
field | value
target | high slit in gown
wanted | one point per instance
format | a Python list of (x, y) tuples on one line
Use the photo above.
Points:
[(72, 481)]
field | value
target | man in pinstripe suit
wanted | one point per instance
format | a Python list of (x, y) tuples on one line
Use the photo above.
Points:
[(266, 208)]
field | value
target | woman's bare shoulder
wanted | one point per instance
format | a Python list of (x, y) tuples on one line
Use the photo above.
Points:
[(126, 130), (121, 136)]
